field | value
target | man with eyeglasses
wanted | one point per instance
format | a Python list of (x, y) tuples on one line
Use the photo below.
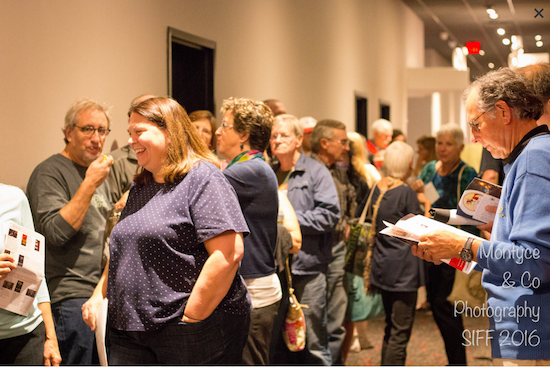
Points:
[(503, 110), (69, 201), (329, 142)]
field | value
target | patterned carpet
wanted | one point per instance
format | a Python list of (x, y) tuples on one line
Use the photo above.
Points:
[(426, 346)]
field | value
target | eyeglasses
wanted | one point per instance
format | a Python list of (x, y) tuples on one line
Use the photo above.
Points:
[(225, 126), (474, 124), (282, 136), (90, 130), (344, 142)]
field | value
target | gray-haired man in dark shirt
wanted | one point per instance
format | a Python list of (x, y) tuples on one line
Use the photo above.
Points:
[(69, 202)]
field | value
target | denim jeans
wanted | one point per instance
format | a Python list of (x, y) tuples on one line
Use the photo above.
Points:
[(311, 290), (219, 339), (76, 339), (337, 301), (27, 349)]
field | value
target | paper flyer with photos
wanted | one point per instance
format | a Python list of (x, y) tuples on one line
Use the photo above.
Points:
[(19, 288), (479, 201), (411, 227)]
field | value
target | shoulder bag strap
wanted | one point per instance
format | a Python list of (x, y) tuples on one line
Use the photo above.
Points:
[(458, 187), (367, 205), (289, 276), (377, 205)]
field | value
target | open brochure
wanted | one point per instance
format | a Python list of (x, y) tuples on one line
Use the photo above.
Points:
[(478, 205), (19, 288), (411, 227)]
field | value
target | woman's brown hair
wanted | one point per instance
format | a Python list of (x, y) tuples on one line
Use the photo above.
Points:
[(184, 148)]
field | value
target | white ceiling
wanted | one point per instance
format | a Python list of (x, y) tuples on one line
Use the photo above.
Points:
[(467, 20)]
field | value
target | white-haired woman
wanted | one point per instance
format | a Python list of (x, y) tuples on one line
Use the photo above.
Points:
[(396, 273)]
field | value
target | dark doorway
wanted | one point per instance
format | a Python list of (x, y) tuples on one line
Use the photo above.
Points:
[(191, 70), (361, 115), (385, 111)]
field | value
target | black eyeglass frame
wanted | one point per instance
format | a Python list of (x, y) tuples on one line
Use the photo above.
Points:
[(90, 131)]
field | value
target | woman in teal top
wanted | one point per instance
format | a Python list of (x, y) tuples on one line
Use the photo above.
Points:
[(445, 174)]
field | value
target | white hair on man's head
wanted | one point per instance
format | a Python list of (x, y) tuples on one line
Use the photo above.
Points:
[(382, 126), (398, 159), (293, 120)]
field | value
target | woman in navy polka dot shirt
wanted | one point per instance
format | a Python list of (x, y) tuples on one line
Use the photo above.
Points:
[(175, 293)]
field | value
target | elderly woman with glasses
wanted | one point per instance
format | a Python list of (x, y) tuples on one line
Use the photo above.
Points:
[(242, 138), (175, 294)]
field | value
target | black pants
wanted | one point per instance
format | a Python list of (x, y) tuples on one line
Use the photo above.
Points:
[(400, 308), (439, 284), (27, 349), (256, 349)]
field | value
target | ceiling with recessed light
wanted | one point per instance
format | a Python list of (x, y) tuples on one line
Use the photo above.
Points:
[(469, 20)]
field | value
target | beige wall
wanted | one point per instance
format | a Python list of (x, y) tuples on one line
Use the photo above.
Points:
[(314, 55)]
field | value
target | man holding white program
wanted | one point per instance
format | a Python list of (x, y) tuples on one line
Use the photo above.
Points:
[(503, 111)]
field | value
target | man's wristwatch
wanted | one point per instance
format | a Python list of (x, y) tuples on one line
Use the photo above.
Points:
[(466, 253)]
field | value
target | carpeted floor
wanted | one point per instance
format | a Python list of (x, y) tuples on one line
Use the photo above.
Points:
[(426, 346)]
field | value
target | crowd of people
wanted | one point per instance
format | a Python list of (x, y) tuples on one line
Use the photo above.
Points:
[(208, 214)]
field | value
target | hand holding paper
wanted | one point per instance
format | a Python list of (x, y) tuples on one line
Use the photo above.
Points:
[(7, 264), (423, 233), (441, 244)]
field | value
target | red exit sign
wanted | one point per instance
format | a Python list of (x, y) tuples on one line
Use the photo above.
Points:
[(473, 47)]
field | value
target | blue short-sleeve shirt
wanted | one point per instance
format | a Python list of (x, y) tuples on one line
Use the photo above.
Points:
[(157, 249)]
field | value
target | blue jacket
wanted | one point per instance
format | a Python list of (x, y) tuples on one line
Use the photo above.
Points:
[(511, 278), (313, 196)]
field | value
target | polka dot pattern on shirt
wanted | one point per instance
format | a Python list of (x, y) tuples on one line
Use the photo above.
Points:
[(157, 249)]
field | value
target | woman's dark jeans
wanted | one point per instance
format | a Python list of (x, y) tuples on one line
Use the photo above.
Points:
[(219, 339)]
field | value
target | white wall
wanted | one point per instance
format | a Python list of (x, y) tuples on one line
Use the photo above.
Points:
[(312, 54)]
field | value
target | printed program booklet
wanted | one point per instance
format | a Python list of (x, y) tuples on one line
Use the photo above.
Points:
[(19, 288), (479, 201), (409, 229), (478, 205)]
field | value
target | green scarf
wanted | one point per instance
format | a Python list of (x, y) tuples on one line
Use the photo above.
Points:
[(245, 156)]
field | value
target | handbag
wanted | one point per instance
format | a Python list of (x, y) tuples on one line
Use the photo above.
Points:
[(356, 245), (294, 331)]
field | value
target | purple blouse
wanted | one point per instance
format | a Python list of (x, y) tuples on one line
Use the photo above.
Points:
[(157, 249)]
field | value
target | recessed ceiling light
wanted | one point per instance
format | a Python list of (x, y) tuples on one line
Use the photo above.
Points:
[(491, 65), (482, 53), (506, 41), (493, 16), (501, 31), (539, 43), (490, 10), (538, 37)]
